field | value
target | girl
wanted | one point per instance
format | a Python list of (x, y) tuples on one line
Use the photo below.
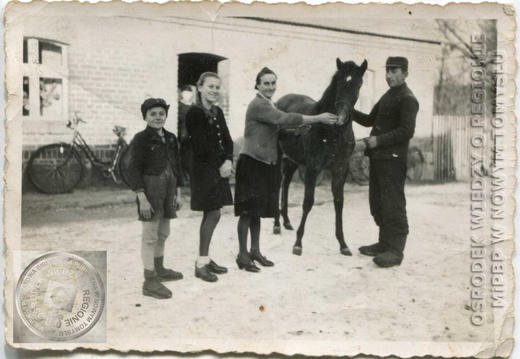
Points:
[(211, 165)]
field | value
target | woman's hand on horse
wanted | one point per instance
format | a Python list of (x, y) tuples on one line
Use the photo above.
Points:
[(329, 118), (325, 118)]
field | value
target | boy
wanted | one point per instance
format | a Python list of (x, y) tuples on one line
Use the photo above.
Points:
[(155, 176)]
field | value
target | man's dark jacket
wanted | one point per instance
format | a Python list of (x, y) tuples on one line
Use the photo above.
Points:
[(393, 123), (149, 155)]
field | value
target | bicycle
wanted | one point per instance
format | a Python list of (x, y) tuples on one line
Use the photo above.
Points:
[(58, 167)]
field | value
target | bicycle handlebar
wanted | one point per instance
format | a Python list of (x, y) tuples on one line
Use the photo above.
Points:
[(76, 118)]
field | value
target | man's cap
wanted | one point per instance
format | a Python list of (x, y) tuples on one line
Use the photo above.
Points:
[(153, 102), (397, 61)]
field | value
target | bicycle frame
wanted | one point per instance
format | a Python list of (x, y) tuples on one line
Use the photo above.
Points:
[(106, 167)]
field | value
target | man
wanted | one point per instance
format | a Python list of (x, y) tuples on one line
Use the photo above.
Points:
[(393, 124)]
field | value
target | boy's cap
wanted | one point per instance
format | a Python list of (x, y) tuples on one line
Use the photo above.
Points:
[(153, 102), (397, 61)]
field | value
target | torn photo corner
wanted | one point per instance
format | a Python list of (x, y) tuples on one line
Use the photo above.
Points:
[(401, 198)]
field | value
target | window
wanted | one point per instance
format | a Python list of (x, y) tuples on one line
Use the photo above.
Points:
[(25, 48), (46, 74), (51, 96), (26, 111), (49, 54)]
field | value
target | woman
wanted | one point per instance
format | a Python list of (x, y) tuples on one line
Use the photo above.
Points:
[(211, 165), (256, 188)]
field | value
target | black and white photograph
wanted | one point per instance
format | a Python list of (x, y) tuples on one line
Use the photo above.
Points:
[(329, 180)]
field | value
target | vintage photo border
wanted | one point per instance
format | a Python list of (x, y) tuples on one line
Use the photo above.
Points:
[(12, 221)]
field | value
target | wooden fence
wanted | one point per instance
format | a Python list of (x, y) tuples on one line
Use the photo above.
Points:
[(452, 147)]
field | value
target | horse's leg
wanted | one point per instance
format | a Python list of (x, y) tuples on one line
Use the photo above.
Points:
[(339, 175), (310, 183), (277, 229), (289, 167)]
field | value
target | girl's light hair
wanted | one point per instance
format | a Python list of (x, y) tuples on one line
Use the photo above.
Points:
[(200, 82)]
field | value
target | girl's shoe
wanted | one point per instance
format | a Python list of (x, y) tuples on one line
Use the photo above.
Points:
[(215, 268), (205, 274)]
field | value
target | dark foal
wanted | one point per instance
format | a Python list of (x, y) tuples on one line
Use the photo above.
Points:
[(322, 146)]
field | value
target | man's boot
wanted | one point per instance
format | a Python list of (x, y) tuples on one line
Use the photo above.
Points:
[(394, 255), (152, 287), (377, 248), (165, 274)]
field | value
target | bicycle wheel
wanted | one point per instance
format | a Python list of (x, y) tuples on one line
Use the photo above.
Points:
[(360, 168), (55, 168), (124, 162)]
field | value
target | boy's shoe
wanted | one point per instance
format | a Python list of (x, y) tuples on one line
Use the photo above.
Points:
[(165, 274), (152, 287), (169, 275)]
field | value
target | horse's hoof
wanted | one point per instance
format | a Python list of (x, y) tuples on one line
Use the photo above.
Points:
[(277, 230), (288, 226), (346, 251), (297, 250)]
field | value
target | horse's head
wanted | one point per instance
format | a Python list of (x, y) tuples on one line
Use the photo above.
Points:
[(349, 78)]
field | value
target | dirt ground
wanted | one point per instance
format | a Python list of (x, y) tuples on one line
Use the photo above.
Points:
[(320, 296)]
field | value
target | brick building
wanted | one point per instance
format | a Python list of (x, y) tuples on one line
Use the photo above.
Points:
[(105, 63)]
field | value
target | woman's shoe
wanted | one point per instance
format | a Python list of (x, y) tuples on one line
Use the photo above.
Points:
[(205, 274), (261, 259), (215, 268), (250, 266)]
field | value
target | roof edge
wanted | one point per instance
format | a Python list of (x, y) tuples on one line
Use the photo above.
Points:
[(329, 28)]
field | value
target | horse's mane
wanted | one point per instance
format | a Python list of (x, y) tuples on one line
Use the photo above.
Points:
[(326, 103)]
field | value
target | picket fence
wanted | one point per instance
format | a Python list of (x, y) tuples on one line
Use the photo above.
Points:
[(452, 147)]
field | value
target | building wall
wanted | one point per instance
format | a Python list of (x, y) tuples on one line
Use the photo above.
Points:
[(116, 62)]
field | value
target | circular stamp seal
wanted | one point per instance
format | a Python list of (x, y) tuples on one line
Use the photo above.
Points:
[(60, 296)]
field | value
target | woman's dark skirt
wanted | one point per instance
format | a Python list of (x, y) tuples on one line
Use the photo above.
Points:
[(257, 188)]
